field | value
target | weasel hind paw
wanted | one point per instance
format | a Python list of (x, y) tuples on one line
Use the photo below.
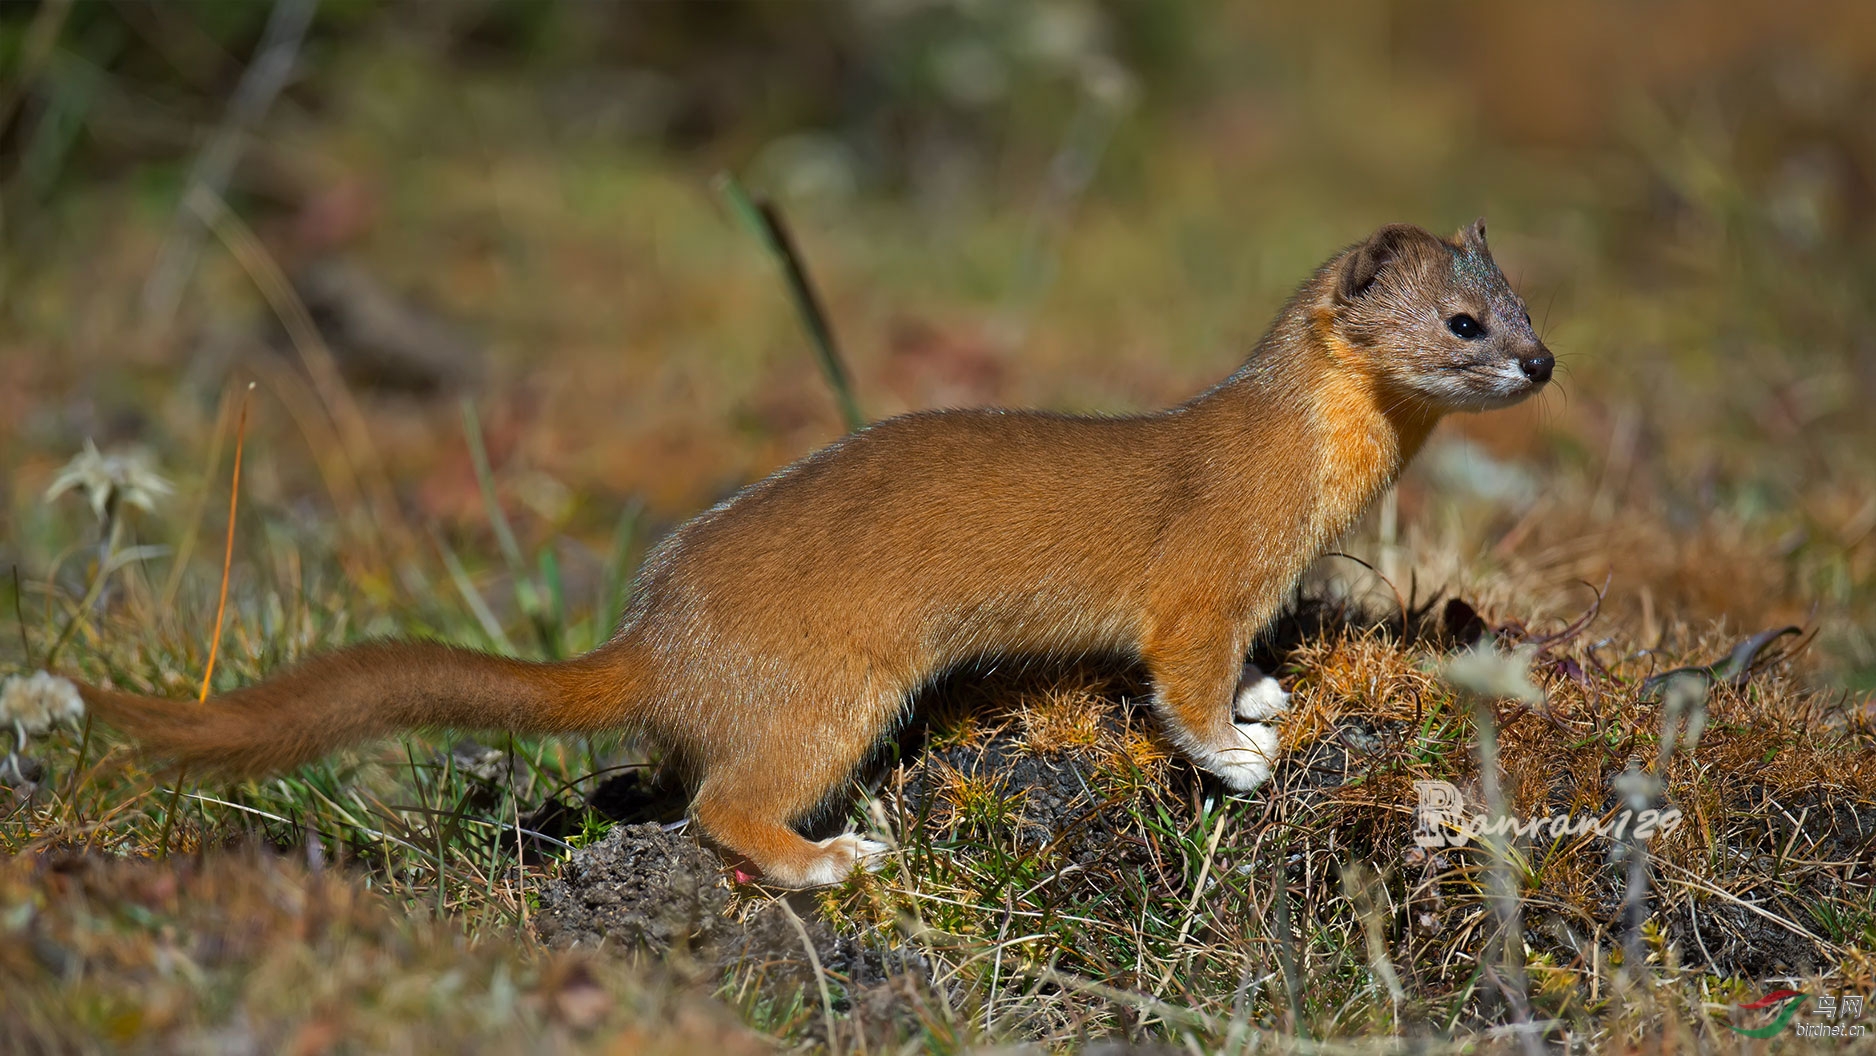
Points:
[(1247, 764), (839, 855), (1260, 697)]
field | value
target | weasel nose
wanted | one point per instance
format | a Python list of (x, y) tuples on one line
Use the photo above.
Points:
[(1537, 367)]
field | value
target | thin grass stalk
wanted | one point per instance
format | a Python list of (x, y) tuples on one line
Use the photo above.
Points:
[(186, 548), (361, 456), (94, 588), (527, 594), (78, 767), (820, 974), (227, 555), (478, 607), (221, 609), (36, 49), (1683, 719), (1637, 791), (1071, 171), (996, 965), (1362, 891), (1286, 954), (261, 83), (19, 617), (616, 581), (764, 220), (521, 865), (1501, 885)]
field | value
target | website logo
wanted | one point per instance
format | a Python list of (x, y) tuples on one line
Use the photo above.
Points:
[(1786, 1001)]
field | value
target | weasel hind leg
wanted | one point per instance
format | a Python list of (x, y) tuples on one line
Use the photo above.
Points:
[(752, 795), (743, 820)]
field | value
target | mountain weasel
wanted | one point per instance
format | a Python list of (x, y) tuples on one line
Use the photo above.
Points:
[(776, 638)]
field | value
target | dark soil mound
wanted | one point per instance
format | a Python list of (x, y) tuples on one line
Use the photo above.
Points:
[(639, 888), (644, 889)]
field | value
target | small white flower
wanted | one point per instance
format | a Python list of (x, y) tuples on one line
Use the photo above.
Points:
[(107, 480), (35, 703), (1486, 672)]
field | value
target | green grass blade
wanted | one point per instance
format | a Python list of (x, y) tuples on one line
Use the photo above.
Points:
[(620, 571), (527, 595), (473, 598), (764, 221)]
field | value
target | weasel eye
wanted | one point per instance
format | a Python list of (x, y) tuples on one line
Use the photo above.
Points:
[(1466, 327)]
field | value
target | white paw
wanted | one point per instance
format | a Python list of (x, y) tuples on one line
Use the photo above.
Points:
[(1259, 697), (1247, 764), (839, 855)]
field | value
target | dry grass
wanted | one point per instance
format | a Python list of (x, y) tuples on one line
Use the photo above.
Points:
[(251, 952), (1163, 893)]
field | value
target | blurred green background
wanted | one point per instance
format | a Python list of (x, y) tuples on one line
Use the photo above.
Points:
[(1076, 204)]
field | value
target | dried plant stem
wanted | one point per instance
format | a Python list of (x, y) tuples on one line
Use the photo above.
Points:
[(1198, 890), (263, 80), (221, 603), (820, 974), (765, 222), (187, 547), (1501, 886), (227, 554), (94, 590), (361, 457), (1388, 533), (1365, 896), (19, 617), (1286, 953), (1638, 792)]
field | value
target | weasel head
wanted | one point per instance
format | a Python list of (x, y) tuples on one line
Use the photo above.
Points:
[(1434, 319)]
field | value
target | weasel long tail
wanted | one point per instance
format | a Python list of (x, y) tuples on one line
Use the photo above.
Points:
[(371, 690)]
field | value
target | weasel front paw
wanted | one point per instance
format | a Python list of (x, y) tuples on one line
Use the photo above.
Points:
[(1259, 697), (1247, 764)]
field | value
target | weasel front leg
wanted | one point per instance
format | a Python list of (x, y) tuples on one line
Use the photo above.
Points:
[(1258, 696), (1200, 686)]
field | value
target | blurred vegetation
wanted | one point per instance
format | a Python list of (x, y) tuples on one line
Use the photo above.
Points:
[(504, 333), (1071, 204)]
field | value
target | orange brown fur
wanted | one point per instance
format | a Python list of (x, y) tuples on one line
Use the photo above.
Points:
[(773, 640)]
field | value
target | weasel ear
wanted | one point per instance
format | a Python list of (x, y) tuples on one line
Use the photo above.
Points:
[(1473, 234), (1366, 262)]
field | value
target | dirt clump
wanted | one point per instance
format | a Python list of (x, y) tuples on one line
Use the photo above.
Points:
[(638, 888), (650, 891)]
